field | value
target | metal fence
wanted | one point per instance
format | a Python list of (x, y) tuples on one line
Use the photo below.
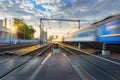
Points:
[(17, 41)]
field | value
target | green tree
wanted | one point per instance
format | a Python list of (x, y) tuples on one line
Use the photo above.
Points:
[(23, 30)]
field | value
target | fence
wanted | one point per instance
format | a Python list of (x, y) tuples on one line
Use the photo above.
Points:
[(17, 41)]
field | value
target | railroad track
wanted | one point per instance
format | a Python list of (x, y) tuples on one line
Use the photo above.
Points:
[(38, 51), (3, 45), (13, 47), (100, 68), (33, 59)]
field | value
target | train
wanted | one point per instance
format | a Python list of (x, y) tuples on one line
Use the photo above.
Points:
[(104, 31)]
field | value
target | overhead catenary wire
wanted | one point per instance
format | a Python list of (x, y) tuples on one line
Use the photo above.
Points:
[(56, 19)]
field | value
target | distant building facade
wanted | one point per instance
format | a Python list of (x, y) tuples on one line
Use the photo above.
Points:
[(51, 37), (43, 36), (5, 32)]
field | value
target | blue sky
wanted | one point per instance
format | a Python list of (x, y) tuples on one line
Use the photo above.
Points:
[(88, 11)]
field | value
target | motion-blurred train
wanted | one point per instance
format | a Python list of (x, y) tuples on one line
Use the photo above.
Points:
[(105, 31)]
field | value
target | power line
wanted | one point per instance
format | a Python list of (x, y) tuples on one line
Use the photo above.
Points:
[(55, 19)]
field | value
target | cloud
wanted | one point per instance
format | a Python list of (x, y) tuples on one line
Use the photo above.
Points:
[(88, 11)]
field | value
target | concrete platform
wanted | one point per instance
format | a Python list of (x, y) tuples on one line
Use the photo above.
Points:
[(57, 67)]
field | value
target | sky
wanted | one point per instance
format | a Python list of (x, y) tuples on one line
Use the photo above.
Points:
[(87, 11)]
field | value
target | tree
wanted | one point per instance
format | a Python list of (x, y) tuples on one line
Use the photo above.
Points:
[(23, 30)]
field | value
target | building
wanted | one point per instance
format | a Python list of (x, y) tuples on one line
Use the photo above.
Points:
[(43, 36), (51, 37), (4, 32)]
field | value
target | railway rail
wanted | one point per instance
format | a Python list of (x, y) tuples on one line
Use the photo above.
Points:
[(100, 68), (95, 67), (32, 62), (15, 46)]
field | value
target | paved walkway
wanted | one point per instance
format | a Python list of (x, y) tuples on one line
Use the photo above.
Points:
[(57, 67)]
